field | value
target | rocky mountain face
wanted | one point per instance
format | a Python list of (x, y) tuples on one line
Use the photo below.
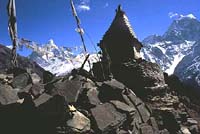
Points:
[(188, 68), (177, 42)]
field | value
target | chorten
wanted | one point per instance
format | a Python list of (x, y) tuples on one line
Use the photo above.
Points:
[(120, 44)]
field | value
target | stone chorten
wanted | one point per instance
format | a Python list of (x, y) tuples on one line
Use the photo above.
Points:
[(119, 43)]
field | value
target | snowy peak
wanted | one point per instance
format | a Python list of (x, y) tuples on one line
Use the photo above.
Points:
[(177, 16), (176, 43), (61, 60), (184, 28), (51, 45)]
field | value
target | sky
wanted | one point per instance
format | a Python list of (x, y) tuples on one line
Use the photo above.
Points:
[(42, 20)]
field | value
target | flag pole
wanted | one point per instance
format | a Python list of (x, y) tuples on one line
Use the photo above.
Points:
[(12, 26), (79, 29)]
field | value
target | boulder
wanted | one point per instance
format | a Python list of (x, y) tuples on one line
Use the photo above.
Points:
[(194, 129), (111, 90), (107, 118), (144, 113), (17, 71), (21, 81), (37, 89), (92, 96), (146, 129), (79, 123), (42, 99), (47, 76), (54, 111), (69, 89), (124, 108), (7, 94)]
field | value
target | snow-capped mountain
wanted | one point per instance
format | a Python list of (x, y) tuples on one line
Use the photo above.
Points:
[(176, 43), (61, 60), (188, 70)]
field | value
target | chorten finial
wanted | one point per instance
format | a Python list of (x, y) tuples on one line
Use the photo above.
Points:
[(119, 8)]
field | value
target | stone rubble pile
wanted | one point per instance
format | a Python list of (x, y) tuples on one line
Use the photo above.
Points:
[(75, 104)]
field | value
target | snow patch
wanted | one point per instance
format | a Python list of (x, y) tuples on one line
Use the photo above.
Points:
[(177, 59), (10, 46), (177, 16)]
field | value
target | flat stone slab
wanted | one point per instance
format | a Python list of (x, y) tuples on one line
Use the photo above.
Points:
[(42, 99), (7, 94), (107, 118), (115, 84), (123, 107), (146, 129), (21, 80), (92, 95), (144, 113), (79, 123), (69, 89)]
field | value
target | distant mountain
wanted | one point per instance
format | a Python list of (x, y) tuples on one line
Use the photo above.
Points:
[(188, 70), (176, 43), (61, 60)]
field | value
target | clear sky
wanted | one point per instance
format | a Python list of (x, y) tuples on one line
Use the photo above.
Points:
[(41, 20)]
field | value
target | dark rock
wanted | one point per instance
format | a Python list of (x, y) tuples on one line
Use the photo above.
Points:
[(92, 95), (133, 98), (144, 113), (107, 118), (7, 94), (26, 89), (17, 71), (146, 129), (170, 121), (114, 84), (21, 81), (69, 89), (54, 111), (101, 71), (194, 129), (37, 89), (111, 90), (122, 107), (47, 76), (28, 100), (154, 125), (42, 99)]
